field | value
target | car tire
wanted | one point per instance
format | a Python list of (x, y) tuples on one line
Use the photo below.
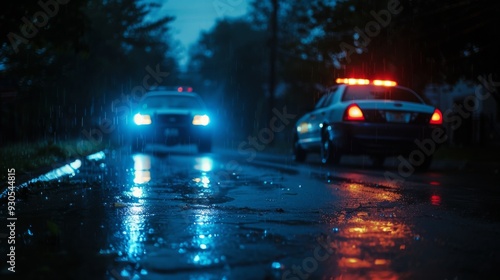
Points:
[(299, 154), (329, 152), (205, 146)]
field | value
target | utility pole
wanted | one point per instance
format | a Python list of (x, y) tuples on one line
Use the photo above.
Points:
[(272, 58)]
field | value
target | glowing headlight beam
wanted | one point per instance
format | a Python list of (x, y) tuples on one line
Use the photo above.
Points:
[(142, 119), (201, 120)]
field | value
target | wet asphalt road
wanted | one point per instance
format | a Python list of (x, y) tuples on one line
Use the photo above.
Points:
[(174, 214)]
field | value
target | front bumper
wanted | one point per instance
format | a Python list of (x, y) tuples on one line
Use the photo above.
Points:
[(171, 134)]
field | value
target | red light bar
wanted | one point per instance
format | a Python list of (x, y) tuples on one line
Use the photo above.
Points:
[(353, 81), (181, 89), (384, 83)]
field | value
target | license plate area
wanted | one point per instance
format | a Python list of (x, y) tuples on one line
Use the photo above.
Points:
[(171, 132), (397, 117)]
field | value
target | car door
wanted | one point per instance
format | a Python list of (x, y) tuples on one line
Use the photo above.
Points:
[(305, 124), (318, 117)]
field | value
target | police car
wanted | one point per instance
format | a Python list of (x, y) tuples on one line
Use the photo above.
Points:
[(367, 117), (171, 117)]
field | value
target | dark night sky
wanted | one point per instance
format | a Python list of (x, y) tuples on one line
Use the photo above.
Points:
[(194, 16)]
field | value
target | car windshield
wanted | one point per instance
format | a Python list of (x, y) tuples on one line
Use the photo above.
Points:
[(369, 92), (172, 102)]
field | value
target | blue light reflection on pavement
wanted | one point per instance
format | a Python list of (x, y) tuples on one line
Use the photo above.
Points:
[(69, 169)]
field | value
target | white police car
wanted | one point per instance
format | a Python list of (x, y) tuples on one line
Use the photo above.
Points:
[(171, 117), (371, 117)]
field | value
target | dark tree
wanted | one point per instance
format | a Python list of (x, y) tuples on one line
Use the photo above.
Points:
[(230, 61), (85, 55)]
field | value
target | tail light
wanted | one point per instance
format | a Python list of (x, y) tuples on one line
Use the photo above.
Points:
[(354, 113), (437, 117)]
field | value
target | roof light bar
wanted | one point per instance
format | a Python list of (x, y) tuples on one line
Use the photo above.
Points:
[(353, 81), (182, 89), (384, 83)]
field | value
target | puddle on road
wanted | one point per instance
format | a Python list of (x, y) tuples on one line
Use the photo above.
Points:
[(366, 243), (361, 236), (178, 223), (156, 226)]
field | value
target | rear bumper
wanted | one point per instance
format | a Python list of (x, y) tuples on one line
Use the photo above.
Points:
[(385, 139)]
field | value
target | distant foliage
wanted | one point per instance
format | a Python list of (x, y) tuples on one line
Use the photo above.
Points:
[(230, 63), (83, 55), (426, 41)]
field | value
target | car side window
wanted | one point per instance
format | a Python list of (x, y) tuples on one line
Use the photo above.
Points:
[(330, 97), (321, 102)]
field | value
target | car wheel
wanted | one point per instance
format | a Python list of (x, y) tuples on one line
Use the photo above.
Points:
[(299, 154), (329, 153), (205, 146)]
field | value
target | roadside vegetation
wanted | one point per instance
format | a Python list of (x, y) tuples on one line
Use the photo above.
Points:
[(30, 157)]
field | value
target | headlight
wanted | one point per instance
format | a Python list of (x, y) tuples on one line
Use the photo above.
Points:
[(142, 119), (303, 127), (201, 120)]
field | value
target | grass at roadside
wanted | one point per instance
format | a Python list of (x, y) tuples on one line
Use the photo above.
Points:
[(29, 157)]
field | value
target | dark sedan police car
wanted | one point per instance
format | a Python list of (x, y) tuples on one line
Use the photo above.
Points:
[(171, 117), (371, 117)]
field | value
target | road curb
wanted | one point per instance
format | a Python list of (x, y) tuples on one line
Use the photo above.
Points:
[(24, 179)]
